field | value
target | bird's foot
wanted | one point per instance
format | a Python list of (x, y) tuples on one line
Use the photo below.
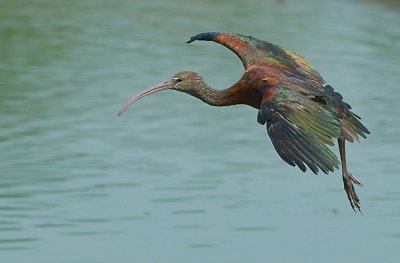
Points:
[(349, 180)]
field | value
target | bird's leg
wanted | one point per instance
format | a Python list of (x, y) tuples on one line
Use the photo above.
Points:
[(348, 178)]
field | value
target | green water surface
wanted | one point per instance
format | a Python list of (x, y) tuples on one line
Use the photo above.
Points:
[(173, 179)]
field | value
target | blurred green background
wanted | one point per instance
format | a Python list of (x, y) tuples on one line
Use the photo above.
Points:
[(174, 180)]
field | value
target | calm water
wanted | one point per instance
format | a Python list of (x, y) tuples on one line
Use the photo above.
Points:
[(174, 180)]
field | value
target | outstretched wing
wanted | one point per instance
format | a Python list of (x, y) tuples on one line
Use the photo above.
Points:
[(290, 67), (300, 129)]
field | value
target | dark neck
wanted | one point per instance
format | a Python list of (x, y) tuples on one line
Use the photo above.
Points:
[(214, 97)]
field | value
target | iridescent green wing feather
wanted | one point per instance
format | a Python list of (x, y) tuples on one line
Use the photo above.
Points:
[(301, 130)]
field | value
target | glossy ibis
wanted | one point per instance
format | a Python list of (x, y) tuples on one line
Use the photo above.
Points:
[(303, 116)]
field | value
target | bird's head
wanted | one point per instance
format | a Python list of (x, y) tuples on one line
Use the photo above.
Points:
[(184, 81)]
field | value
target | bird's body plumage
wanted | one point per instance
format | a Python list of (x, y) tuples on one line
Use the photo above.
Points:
[(303, 116)]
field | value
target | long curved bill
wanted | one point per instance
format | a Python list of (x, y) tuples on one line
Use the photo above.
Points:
[(153, 89)]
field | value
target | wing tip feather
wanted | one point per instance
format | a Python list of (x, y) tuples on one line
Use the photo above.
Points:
[(207, 36)]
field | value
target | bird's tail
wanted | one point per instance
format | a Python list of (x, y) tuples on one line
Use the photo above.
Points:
[(350, 124), (352, 127)]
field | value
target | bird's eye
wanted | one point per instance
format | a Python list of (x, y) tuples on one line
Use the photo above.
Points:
[(176, 79)]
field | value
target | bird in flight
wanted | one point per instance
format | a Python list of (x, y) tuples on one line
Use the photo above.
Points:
[(303, 116)]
